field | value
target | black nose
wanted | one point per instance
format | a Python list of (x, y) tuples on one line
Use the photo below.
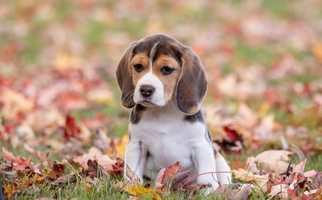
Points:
[(146, 90)]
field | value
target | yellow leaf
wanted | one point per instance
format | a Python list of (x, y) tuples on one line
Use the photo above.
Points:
[(88, 187), (100, 95), (65, 61), (264, 109), (121, 145), (141, 191)]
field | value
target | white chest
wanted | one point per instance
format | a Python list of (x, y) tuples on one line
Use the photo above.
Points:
[(168, 138)]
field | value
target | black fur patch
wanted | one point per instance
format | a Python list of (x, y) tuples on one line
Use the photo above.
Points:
[(210, 138), (198, 117), (136, 113)]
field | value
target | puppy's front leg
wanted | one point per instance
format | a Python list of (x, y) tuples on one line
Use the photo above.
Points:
[(135, 158), (205, 164)]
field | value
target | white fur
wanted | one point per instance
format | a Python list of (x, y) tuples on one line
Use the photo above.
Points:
[(157, 98), (163, 132)]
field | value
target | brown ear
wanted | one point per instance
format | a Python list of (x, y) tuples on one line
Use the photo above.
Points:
[(192, 85), (124, 78)]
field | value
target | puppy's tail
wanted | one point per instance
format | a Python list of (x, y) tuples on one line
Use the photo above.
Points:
[(222, 166)]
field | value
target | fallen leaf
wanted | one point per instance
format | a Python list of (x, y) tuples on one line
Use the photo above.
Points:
[(299, 168), (242, 194), (71, 129), (134, 179), (57, 171), (171, 170), (142, 192), (260, 180), (120, 146), (14, 103), (17, 162), (279, 190), (275, 161), (103, 160), (65, 61), (317, 51)]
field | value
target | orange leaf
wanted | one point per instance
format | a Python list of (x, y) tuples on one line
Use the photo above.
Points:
[(172, 170), (121, 145), (317, 51)]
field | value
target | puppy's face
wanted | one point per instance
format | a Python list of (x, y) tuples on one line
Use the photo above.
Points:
[(155, 68)]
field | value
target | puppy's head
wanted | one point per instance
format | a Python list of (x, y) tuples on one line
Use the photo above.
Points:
[(158, 68)]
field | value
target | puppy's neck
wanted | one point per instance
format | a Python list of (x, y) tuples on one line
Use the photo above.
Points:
[(170, 108)]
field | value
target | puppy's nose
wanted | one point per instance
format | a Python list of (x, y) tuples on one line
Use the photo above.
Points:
[(146, 90)]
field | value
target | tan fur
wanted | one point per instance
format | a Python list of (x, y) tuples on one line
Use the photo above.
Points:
[(142, 59)]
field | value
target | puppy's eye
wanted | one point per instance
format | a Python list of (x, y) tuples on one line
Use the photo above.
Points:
[(138, 67), (166, 70)]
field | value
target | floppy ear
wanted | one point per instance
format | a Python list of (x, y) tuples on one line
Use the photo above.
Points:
[(192, 85), (124, 78)]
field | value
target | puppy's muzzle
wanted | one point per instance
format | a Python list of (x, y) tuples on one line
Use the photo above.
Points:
[(146, 90)]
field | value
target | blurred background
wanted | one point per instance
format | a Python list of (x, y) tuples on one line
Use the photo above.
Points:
[(263, 60)]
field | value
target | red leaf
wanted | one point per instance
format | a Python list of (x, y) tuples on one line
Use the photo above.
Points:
[(17, 162), (71, 130), (292, 193), (232, 134)]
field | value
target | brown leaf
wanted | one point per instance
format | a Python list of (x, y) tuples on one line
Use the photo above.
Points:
[(57, 171)]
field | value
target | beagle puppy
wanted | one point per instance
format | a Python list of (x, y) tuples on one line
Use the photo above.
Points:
[(165, 83)]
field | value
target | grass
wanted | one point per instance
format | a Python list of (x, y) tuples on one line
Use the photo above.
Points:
[(106, 189)]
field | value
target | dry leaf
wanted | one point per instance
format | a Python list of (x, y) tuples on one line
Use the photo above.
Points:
[(121, 146), (275, 161), (260, 180), (317, 51), (280, 190), (142, 192), (65, 61), (134, 179), (299, 168), (14, 103), (103, 160)]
